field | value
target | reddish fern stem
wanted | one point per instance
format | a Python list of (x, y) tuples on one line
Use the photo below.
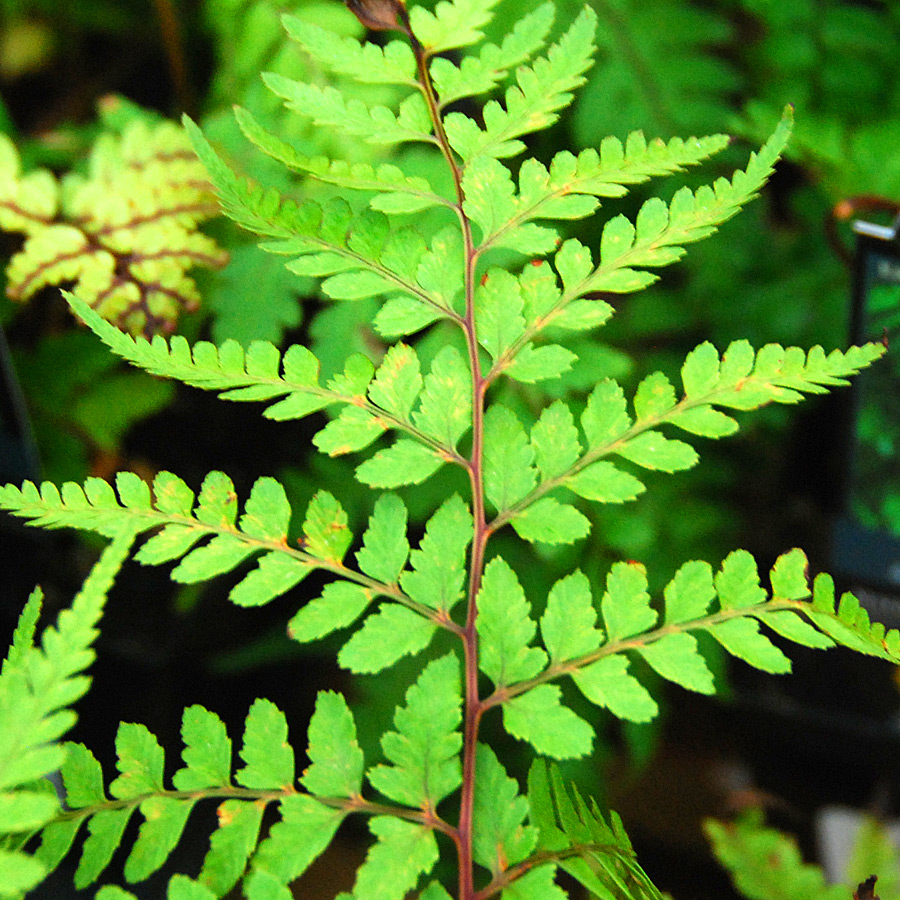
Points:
[(473, 705)]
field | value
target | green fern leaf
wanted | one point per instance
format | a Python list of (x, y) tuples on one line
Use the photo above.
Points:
[(505, 628), (533, 364), (304, 831), (554, 438), (244, 376), (454, 23), (392, 64), (498, 310), (445, 404), (509, 473), (438, 565), (24, 811), (499, 836), (398, 381), (362, 256), (737, 583), (405, 462), (386, 636), (568, 624), (659, 232), (626, 603), (605, 483), (480, 74), (551, 728), (336, 768), (677, 658), (397, 193), (425, 748), (140, 763), (394, 864), (353, 430), (105, 830), (230, 845), (164, 822), (385, 547), (268, 757), (569, 188), (327, 107), (325, 531), (340, 604), (551, 522), (206, 754), (608, 683), (531, 105)]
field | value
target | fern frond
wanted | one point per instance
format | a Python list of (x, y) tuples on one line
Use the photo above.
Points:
[(766, 864), (362, 255), (730, 606), (28, 202), (261, 530), (307, 821), (541, 90), (38, 685), (366, 62), (327, 106), (454, 23), (741, 379), (660, 231), (125, 233), (567, 189), (396, 192), (578, 838), (476, 75)]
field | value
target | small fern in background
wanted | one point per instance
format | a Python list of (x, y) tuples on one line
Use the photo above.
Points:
[(124, 233), (766, 864), (480, 303)]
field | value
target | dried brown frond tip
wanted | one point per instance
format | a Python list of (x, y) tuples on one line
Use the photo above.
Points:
[(379, 15), (866, 891)]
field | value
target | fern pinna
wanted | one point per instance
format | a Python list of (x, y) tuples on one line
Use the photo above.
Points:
[(486, 296)]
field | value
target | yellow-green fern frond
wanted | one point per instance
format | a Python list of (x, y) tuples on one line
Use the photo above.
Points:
[(124, 234)]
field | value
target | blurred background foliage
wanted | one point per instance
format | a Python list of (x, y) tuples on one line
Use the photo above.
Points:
[(72, 74)]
